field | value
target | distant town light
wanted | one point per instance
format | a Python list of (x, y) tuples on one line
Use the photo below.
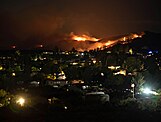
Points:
[(131, 51), (122, 72), (108, 51), (102, 74), (114, 67), (13, 74), (94, 61), (82, 54), (65, 107), (150, 52), (124, 38), (133, 85), (1, 68)]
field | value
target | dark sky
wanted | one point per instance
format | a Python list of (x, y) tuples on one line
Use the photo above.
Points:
[(28, 22)]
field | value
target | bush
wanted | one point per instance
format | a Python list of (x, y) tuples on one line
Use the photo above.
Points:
[(4, 98), (151, 104), (129, 103), (148, 104)]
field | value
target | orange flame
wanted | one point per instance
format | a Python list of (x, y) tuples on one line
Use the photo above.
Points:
[(83, 37), (109, 43), (102, 43)]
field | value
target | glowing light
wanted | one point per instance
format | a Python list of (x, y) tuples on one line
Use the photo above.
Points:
[(65, 107), (150, 52), (111, 67), (74, 63), (13, 74), (1, 68), (155, 93), (110, 43), (124, 38), (147, 91), (83, 37), (77, 82), (21, 101), (102, 74), (106, 44), (130, 51), (133, 90), (114, 67), (122, 72), (99, 46), (94, 61), (133, 85), (100, 43), (135, 36)]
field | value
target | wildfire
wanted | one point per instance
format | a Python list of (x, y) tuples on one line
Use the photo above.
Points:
[(130, 37), (109, 43), (83, 37), (101, 43)]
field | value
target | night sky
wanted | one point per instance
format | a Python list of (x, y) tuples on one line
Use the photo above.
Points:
[(29, 22)]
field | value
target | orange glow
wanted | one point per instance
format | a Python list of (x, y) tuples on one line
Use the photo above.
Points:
[(99, 45), (83, 37), (135, 36), (124, 39), (100, 42), (110, 43)]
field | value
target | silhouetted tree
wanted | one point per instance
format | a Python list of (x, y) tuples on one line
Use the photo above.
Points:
[(138, 80), (133, 64)]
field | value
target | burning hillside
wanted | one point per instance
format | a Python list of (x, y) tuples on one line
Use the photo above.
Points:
[(81, 42), (83, 37), (87, 42)]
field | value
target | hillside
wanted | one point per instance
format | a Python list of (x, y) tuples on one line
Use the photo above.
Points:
[(149, 40)]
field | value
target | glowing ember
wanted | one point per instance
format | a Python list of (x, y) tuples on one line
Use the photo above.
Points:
[(83, 37)]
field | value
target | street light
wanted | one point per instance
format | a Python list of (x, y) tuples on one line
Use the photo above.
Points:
[(133, 86), (147, 91), (21, 101)]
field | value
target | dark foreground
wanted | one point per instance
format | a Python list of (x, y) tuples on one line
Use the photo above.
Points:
[(84, 114)]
